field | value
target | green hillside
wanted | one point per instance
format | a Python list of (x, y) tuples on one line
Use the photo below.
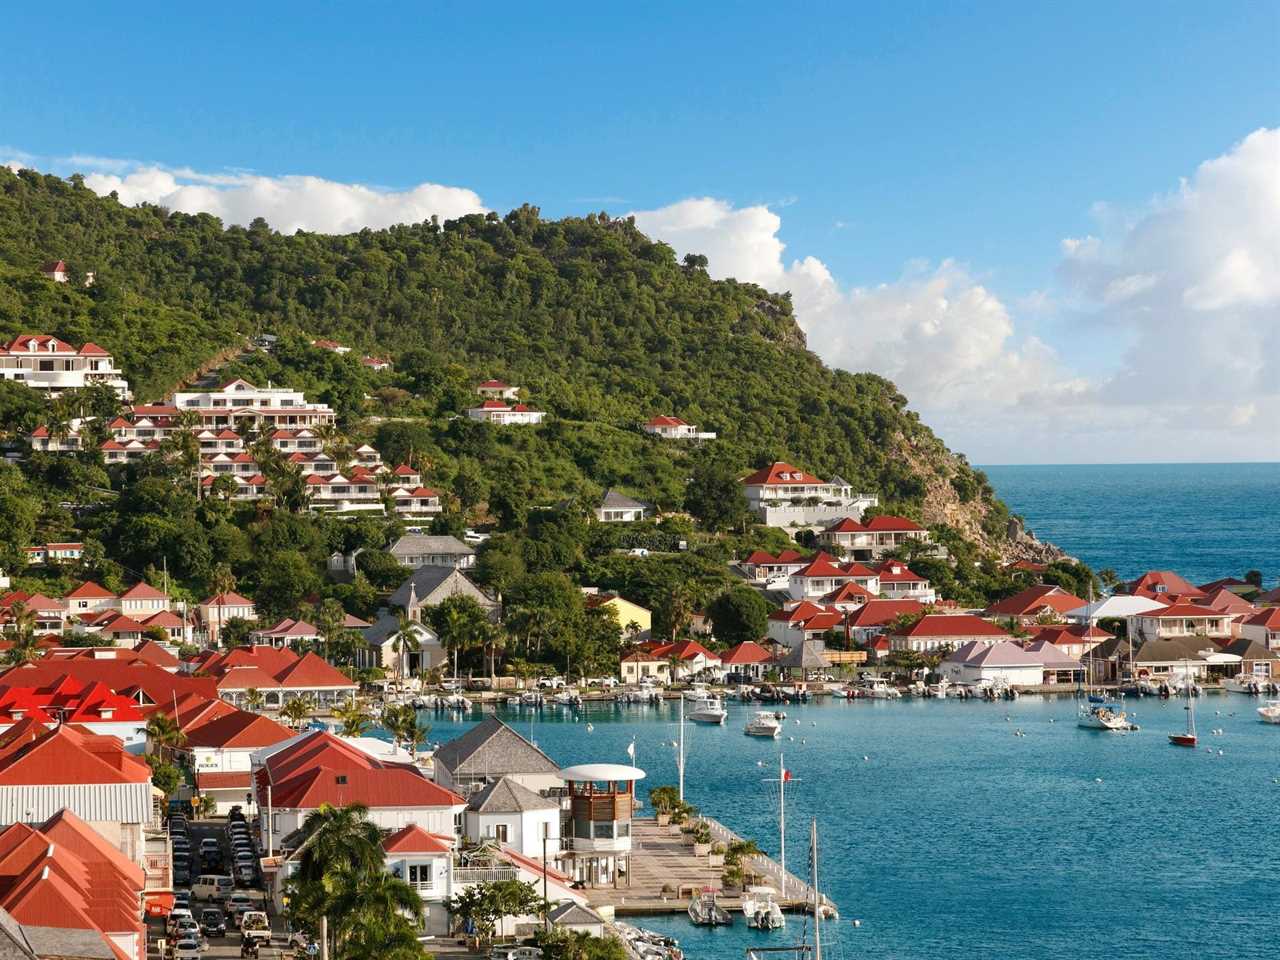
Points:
[(600, 325)]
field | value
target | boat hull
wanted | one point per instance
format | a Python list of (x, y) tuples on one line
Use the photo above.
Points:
[(1182, 739)]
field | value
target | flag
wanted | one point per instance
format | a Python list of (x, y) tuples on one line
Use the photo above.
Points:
[(631, 749), (786, 776)]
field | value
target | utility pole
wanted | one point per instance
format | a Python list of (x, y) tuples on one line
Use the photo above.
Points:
[(546, 915), (271, 833), (680, 759)]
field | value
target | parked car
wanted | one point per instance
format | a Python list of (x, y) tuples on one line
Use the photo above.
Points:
[(551, 683), (188, 948), (236, 904), (213, 923), (177, 915), (254, 924)]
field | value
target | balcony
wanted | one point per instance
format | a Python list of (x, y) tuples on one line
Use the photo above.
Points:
[(492, 874)]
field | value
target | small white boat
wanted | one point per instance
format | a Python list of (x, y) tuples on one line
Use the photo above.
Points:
[(1102, 716), (458, 702), (1270, 711), (761, 910), (697, 691), (705, 912), (764, 724), (1245, 683), (879, 689), (707, 710), (567, 698), (531, 698)]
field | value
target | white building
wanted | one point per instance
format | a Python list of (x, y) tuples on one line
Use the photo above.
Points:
[(503, 414), (491, 751), (497, 390), (673, 428), (49, 364), (618, 508), (417, 550), (515, 816), (238, 403), (221, 754), (1263, 628), (980, 662), (785, 496)]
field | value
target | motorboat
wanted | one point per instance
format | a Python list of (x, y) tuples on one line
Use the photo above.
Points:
[(707, 710), (761, 910), (1270, 711), (531, 698), (1246, 683), (764, 724), (705, 912), (458, 702), (879, 689), (1099, 714), (567, 698), (697, 691)]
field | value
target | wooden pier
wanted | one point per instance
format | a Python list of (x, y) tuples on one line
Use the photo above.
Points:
[(662, 859)]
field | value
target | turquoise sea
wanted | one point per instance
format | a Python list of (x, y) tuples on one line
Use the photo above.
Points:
[(948, 835), (1205, 520)]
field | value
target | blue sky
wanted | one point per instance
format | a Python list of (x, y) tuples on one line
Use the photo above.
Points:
[(880, 135)]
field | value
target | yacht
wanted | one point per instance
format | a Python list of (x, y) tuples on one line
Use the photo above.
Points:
[(1098, 714), (705, 912), (1244, 683), (761, 910), (764, 724), (697, 691), (1270, 711), (707, 710)]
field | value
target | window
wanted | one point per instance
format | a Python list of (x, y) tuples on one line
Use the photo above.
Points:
[(546, 830), (602, 831), (624, 830), (500, 832), (457, 824), (420, 874)]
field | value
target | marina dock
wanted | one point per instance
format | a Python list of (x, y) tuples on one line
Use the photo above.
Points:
[(663, 858)]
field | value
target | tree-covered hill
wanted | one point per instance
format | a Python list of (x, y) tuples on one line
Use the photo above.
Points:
[(601, 326)]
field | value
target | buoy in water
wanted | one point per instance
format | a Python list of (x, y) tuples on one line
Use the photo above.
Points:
[(857, 923), (865, 757), (1097, 779)]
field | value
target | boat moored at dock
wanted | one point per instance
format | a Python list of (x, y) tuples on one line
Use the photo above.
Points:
[(705, 912), (707, 710), (764, 724), (1269, 712), (761, 910)]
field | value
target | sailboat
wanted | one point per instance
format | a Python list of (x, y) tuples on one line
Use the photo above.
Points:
[(822, 909), (1187, 739)]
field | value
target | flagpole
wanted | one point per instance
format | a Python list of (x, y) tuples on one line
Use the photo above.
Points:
[(782, 823), (680, 762)]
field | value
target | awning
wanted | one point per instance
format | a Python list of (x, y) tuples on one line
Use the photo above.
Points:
[(158, 902)]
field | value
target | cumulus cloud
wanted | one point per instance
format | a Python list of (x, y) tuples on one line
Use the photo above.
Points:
[(288, 203), (1192, 282)]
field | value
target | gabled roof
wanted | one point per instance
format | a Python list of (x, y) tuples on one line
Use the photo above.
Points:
[(1181, 611), (613, 500), (894, 571), (143, 591), (845, 525), (748, 651), (780, 473), (683, 650), (413, 839), (1269, 618), (885, 523), (505, 795), (665, 421), (153, 652), (33, 754), (823, 565), (953, 625), (1162, 581), (228, 599), (241, 729), (877, 613), (90, 591), (492, 747), (1032, 600)]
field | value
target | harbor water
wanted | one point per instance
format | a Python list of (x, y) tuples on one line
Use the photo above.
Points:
[(946, 832)]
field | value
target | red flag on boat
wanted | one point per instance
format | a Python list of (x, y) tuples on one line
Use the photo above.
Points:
[(786, 776)]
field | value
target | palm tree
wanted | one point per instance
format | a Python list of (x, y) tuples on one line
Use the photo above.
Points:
[(404, 643), (297, 711), (338, 843), (25, 646), (163, 734), (355, 719), (253, 699), (405, 726)]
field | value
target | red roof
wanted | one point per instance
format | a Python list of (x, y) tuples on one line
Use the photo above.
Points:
[(223, 780), (320, 768), (823, 565), (93, 350), (845, 525), (143, 591), (877, 613), (748, 651), (886, 523), (1151, 582), (665, 421), (241, 729), (229, 599), (894, 572), (413, 839), (848, 593), (125, 673), (33, 754), (780, 474), (953, 625), (682, 650), (90, 591), (494, 385), (1034, 599), (152, 652), (1269, 618), (1183, 610)]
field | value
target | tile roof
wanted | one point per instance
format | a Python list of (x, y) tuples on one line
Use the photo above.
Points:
[(241, 729), (953, 625), (31, 753), (492, 747), (748, 651), (877, 613), (505, 795), (413, 839), (780, 473), (1034, 599)]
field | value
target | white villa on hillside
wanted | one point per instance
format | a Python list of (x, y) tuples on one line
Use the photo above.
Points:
[(239, 402), (49, 364), (497, 390), (503, 414), (785, 496), (872, 539), (673, 428)]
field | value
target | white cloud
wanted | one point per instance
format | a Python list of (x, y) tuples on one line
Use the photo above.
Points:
[(1193, 282), (288, 203)]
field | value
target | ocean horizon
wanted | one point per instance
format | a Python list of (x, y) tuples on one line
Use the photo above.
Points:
[(1204, 520)]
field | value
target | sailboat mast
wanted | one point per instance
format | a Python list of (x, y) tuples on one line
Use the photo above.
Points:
[(680, 759), (782, 822), (817, 897)]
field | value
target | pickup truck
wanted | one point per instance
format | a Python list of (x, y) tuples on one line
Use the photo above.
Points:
[(254, 925)]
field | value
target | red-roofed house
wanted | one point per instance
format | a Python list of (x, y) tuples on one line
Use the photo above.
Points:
[(806, 620), (500, 413), (872, 539), (1075, 640), (1182, 620), (673, 428), (424, 860), (142, 600), (785, 496), (279, 674), (45, 769), (763, 567), (91, 704), (938, 631), (497, 390), (822, 575), (689, 657), (52, 365), (748, 660), (64, 876), (898, 582), (286, 632), (1027, 605), (873, 618), (1155, 582), (321, 768), (221, 751), (216, 611), (1263, 628), (90, 597)]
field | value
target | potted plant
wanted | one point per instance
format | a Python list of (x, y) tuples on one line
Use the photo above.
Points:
[(716, 857), (701, 836), (665, 801), (732, 880)]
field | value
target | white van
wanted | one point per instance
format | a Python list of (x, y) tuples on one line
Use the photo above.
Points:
[(212, 886)]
